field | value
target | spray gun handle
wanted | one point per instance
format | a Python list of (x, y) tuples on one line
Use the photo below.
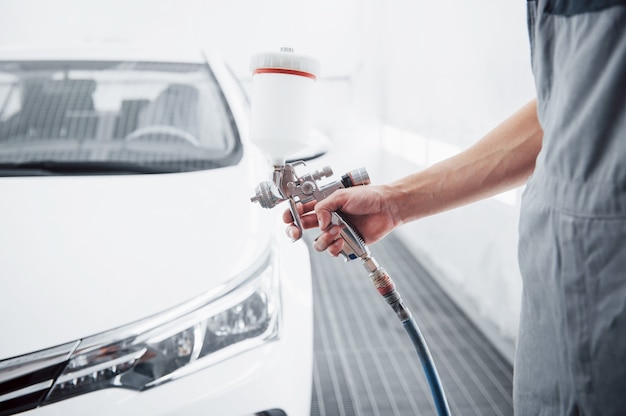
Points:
[(354, 246)]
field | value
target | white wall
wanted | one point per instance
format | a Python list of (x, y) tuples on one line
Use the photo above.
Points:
[(238, 28), (404, 83)]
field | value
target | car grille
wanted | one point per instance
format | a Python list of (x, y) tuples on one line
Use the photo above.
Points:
[(26, 380)]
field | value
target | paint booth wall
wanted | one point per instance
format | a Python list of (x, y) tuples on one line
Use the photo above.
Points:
[(404, 84)]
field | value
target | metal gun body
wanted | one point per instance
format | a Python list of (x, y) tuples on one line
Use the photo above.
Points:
[(286, 185)]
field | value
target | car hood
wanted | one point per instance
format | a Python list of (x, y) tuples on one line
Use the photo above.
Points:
[(82, 255)]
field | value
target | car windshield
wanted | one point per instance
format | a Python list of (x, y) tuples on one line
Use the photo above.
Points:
[(75, 117)]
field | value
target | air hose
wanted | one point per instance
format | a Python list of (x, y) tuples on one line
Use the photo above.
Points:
[(387, 289)]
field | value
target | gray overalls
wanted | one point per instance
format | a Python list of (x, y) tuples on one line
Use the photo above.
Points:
[(571, 353)]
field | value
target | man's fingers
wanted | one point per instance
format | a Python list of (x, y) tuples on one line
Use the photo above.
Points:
[(293, 232), (302, 209), (287, 217), (327, 238), (335, 248), (325, 208), (308, 221), (330, 242)]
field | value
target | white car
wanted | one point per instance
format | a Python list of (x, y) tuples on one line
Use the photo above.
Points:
[(136, 277)]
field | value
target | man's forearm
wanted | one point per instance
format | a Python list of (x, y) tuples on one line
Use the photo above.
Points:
[(502, 160)]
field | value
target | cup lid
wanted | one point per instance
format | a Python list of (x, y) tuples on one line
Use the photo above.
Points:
[(285, 61)]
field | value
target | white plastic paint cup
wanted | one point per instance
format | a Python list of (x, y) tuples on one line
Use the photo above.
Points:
[(282, 102)]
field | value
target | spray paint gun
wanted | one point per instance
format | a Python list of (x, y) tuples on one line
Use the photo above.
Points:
[(280, 125), (282, 99)]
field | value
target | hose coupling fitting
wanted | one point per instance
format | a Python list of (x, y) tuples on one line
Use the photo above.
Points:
[(395, 301), (387, 289), (382, 282)]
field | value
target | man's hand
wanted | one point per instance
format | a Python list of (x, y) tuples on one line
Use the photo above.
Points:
[(367, 208)]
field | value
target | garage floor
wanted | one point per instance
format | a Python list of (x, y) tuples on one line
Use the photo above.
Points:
[(365, 364)]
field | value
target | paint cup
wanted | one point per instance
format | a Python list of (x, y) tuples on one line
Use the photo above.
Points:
[(283, 85)]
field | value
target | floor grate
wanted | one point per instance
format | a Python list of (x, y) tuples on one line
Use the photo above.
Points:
[(366, 365)]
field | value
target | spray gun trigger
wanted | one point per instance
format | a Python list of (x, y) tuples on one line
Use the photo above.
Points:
[(296, 218)]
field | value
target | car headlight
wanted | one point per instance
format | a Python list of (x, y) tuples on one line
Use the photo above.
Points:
[(229, 320)]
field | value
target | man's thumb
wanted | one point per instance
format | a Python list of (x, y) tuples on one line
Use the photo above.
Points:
[(326, 207)]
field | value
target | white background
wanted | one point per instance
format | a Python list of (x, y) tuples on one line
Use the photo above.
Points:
[(404, 84)]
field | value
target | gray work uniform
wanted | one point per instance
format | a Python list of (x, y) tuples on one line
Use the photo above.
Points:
[(571, 353)]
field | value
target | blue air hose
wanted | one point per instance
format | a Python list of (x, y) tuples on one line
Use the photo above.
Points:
[(428, 365), (385, 286)]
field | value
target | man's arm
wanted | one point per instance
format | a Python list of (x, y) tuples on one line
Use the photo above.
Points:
[(500, 161)]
